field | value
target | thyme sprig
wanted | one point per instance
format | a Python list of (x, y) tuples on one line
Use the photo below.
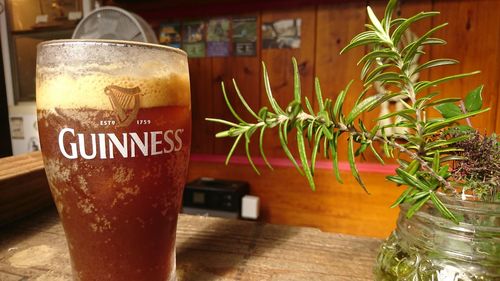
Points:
[(393, 65)]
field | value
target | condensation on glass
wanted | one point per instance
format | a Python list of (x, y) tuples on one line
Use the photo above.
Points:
[(114, 120)]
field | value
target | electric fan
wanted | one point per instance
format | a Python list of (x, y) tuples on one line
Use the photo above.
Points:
[(114, 23)]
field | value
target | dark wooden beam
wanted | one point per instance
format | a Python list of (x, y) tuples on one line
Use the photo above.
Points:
[(159, 10)]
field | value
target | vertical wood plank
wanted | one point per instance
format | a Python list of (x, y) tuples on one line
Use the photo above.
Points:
[(279, 67), (336, 25), (497, 81), (473, 39), (246, 72), (497, 108), (202, 105)]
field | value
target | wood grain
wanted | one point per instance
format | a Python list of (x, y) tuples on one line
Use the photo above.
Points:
[(279, 67), (24, 189), (207, 249), (202, 105), (473, 39), (245, 71), (336, 26), (497, 108), (287, 199)]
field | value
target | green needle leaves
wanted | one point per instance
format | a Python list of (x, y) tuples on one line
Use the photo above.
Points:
[(421, 145), (303, 158)]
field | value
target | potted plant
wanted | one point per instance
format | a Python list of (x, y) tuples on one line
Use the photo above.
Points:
[(449, 224)]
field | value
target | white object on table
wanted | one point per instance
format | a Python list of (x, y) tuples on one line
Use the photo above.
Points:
[(250, 207)]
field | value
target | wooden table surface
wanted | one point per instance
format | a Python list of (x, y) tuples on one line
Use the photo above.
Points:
[(208, 249)]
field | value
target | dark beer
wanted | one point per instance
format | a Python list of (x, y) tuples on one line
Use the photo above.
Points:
[(115, 143)]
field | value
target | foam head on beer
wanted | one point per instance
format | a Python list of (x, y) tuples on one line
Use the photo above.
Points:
[(66, 78)]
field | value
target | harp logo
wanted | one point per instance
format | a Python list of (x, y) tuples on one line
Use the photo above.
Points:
[(125, 103)]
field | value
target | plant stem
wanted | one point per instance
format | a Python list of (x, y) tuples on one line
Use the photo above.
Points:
[(422, 162), (462, 106), (303, 116)]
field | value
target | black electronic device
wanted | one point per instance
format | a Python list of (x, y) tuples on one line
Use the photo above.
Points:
[(215, 197)]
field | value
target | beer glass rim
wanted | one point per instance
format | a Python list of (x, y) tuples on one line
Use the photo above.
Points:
[(110, 42)]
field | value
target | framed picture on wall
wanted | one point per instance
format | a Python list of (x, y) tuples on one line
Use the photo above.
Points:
[(170, 34), (245, 36), (193, 38), (17, 128), (218, 37), (281, 34)]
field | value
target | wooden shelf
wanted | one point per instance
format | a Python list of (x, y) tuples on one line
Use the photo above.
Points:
[(46, 29), (24, 189)]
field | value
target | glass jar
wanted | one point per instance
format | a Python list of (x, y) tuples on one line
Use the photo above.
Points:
[(428, 247)]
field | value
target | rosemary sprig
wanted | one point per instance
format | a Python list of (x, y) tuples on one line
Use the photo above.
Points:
[(393, 65)]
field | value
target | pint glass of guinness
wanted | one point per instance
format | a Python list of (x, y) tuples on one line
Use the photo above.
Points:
[(114, 120)]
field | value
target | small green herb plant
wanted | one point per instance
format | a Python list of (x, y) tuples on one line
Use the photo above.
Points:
[(479, 173), (426, 142)]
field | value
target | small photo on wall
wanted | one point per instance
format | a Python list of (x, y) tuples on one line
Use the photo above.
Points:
[(218, 30), (281, 34), (193, 38), (17, 128), (194, 50), (218, 37), (170, 34), (245, 49), (245, 36), (218, 49), (193, 31)]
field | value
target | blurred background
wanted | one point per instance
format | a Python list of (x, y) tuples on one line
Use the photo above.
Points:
[(228, 39)]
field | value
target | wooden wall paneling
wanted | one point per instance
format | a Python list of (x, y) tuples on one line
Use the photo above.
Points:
[(285, 198), (337, 24), (279, 66), (246, 71), (497, 120), (221, 72), (497, 108), (202, 105), (473, 39)]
